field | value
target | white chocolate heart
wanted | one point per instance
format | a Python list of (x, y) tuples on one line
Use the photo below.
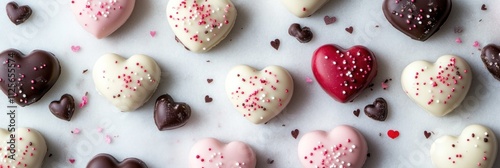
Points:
[(102, 17), (344, 146), (440, 87), (211, 153), (201, 24), (127, 84), (303, 8), (475, 147), (29, 148), (259, 95)]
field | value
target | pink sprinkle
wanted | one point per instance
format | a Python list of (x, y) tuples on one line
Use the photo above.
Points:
[(75, 48), (85, 100), (72, 161), (152, 33), (309, 80), (476, 44), (76, 131), (99, 129), (385, 85), (108, 139), (458, 40)]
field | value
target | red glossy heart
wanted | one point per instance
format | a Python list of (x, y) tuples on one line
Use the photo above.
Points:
[(393, 134), (343, 74)]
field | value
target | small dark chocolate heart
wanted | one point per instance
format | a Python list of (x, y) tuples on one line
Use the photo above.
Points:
[(295, 133), (303, 34), (276, 44), (329, 20), (378, 110), (26, 79), (416, 18), (64, 108), (18, 14), (104, 160), (349, 29), (490, 55), (169, 114)]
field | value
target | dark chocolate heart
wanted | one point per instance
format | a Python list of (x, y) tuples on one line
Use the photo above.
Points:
[(419, 19), (64, 108), (303, 34), (18, 14), (276, 44), (169, 114), (378, 110), (491, 59), (104, 160), (26, 79)]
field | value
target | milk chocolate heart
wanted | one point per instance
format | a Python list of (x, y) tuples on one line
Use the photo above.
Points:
[(490, 55), (18, 14), (211, 152), (23, 147), (475, 147), (343, 74), (25, 80), (102, 17), (201, 24), (169, 114), (378, 110), (104, 160), (64, 108), (418, 19)]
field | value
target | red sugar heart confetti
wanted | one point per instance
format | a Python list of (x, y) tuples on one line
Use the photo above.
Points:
[(75, 48), (72, 161), (152, 33), (393, 134)]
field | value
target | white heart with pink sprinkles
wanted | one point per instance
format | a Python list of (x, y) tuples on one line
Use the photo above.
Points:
[(27, 148)]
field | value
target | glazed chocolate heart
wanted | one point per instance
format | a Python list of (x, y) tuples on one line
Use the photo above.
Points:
[(417, 18), (18, 14), (64, 108), (378, 110), (26, 79), (170, 114), (491, 59), (104, 160), (343, 74), (303, 34)]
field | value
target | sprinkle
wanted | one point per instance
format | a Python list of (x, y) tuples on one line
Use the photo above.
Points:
[(308, 80), (108, 139), (152, 33), (72, 160), (75, 48), (476, 44), (99, 129), (385, 85), (458, 40), (85, 100), (75, 131)]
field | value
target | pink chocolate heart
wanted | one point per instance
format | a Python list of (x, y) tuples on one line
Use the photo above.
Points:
[(344, 146), (211, 152)]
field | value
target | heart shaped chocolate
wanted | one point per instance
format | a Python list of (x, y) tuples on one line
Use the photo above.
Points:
[(201, 25), (378, 110), (26, 79), (102, 17), (343, 74), (64, 108), (211, 152), (490, 55), (18, 14), (416, 18), (104, 160), (169, 114), (302, 34), (22, 147)]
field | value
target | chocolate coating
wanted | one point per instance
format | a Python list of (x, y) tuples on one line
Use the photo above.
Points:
[(490, 55), (64, 108), (104, 160), (169, 114), (27, 79), (303, 34), (419, 19), (378, 110), (18, 14)]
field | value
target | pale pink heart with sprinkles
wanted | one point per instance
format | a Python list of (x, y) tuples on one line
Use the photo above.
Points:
[(102, 17), (28, 146), (126, 83), (259, 95), (211, 153), (344, 146), (437, 87), (201, 24)]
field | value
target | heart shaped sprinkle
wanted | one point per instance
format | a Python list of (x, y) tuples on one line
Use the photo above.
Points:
[(18, 14), (295, 133), (275, 44), (64, 108), (490, 55), (301, 8), (106, 160), (349, 29), (427, 134), (393, 134), (329, 20), (303, 34), (75, 48), (211, 152), (26, 79), (25, 147), (378, 110), (169, 114)]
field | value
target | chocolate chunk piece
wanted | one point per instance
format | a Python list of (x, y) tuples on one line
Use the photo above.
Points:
[(64, 108), (303, 34), (169, 114), (18, 14), (104, 160)]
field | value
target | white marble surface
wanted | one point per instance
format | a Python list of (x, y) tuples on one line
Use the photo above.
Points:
[(53, 28)]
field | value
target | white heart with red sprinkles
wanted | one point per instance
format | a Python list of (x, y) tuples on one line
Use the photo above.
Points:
[(259, 95), (303, 8), (201, 24), (211, 152), (126, 83), (475, 147), (437, 87), (25, 148)]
